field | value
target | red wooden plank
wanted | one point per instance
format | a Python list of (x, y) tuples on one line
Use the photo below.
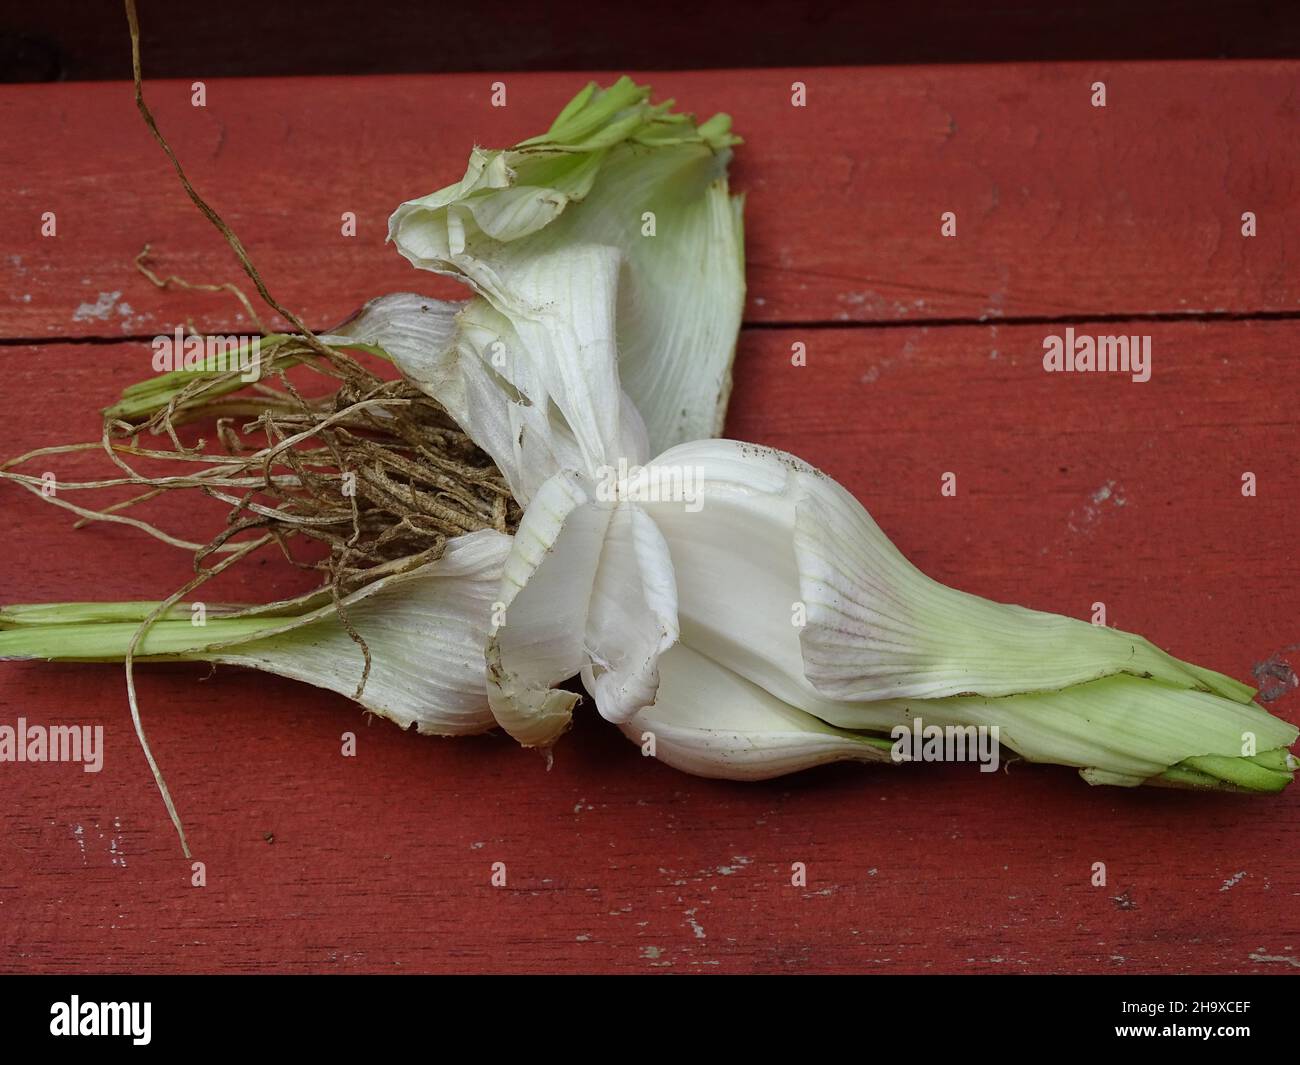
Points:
[(382, 863), (1063, 209)]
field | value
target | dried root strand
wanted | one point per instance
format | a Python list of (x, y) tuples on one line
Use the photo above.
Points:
[(374, 470)]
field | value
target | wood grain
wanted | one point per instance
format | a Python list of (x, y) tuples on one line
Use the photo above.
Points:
[(617, 864), (1063, 210)]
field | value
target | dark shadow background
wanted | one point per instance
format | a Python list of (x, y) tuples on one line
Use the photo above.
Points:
[(74, 40)]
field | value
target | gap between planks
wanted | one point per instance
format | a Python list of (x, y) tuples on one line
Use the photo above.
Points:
[(1175, 317)]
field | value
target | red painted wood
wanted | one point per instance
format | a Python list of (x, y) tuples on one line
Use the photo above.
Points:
[(619, 864), (1063, 209), (614, 863)]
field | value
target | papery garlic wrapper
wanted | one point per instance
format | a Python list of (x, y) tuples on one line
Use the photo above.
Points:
[(687, 613)]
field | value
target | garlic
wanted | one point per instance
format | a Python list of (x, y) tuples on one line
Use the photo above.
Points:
[(730, 608), (796, 613)]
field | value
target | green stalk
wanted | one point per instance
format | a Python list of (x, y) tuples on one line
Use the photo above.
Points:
[(102, 632), (145, 398), (1119, 730)]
